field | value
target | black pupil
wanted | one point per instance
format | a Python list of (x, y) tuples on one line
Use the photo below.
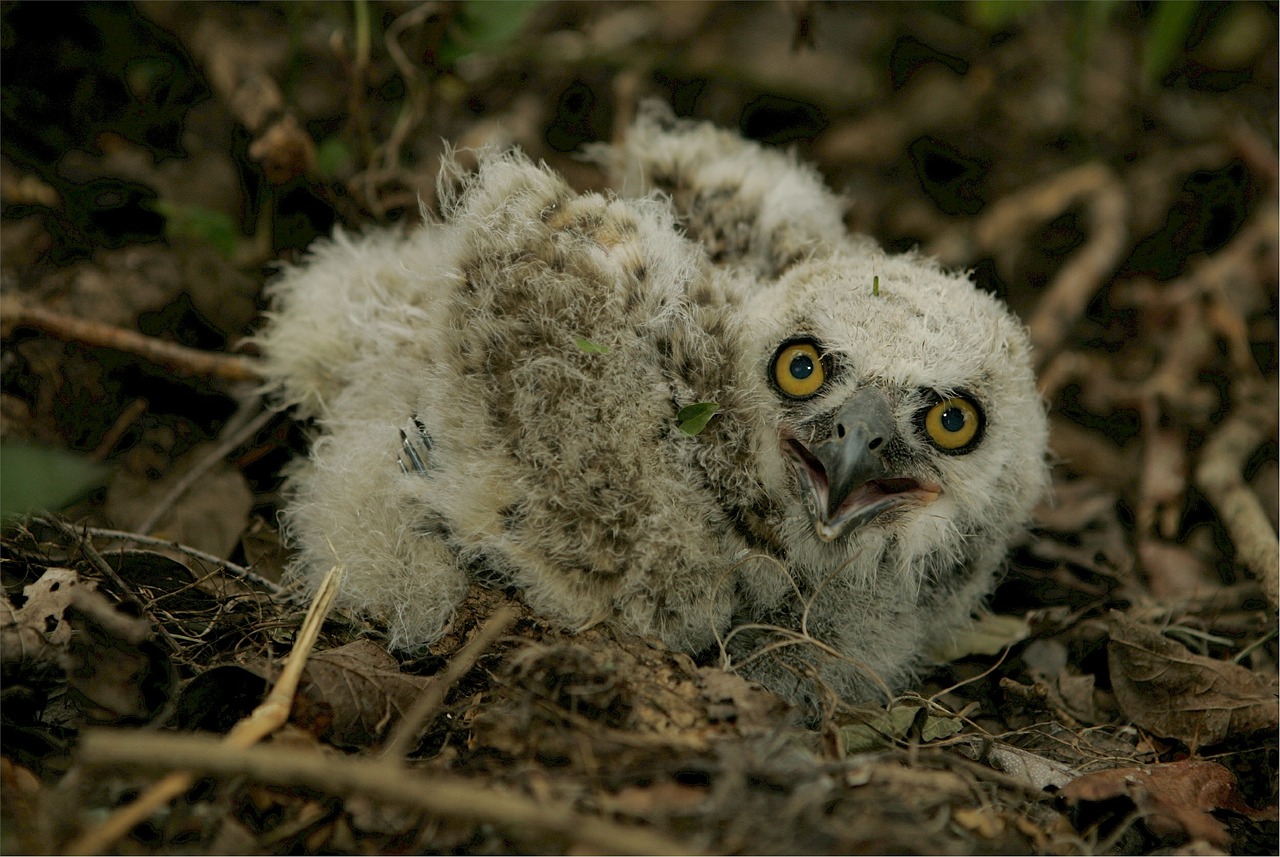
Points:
[(801, 366), (953, 419)]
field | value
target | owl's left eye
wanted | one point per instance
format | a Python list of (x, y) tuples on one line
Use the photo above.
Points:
[(798, 370), (954, 424)]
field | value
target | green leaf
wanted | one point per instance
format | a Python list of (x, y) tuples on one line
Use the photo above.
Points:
[(591, 347), (893, 725), (995, 14), (694, 418), (484, 26), (34, 478), (334, 158), (1167, 38), (202, 224)]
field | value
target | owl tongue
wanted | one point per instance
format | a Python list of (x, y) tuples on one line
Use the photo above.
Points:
[(863, 500)]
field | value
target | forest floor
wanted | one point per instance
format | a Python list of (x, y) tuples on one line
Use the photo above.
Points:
[(1108, 169)]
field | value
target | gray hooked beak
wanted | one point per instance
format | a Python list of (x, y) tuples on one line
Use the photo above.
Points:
[(849, 484)]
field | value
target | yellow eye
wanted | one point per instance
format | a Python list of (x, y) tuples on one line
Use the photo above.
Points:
[(953, 424), (797, 370)]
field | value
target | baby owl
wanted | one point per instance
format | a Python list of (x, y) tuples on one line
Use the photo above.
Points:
[(505, 393)]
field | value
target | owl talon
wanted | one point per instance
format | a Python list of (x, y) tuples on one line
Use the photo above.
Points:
[(415, 447)]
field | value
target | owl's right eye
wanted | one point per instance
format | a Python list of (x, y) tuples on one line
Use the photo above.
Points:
[(797, 369)]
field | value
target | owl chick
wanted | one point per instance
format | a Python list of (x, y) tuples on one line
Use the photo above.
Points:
[(502, 393)]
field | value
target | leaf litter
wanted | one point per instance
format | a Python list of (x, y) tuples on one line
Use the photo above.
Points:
[(1121, 697)]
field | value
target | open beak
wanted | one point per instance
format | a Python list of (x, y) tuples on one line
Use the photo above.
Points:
[(845, 476)]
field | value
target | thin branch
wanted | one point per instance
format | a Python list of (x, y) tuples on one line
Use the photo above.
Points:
[(186, 361), (233, 440), (444, 795), (1220, 474), (104, 567), (227, 565), (425, 705)]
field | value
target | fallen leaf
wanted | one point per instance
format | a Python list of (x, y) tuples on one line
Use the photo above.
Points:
[(105, 653), (694, 418), (1166, 689), (363, 688), (1174, 800), (209, 516), (1031, 768), (893, 725), (989, 635), (350, 696)]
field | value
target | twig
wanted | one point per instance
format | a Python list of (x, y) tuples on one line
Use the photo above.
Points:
[(179, 358), (1071, 290), (127, 417), (270, 715), (425, 705), (234, 439), (237, 570), (1220, 475), (110, 573), (444, 795)]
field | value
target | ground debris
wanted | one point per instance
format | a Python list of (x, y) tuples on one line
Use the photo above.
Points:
[(1120, 197)]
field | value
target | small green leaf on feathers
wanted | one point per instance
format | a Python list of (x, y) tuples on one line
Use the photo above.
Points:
[(591, 347), (889, 726), (875, 286), (694, 418), (37, 478)]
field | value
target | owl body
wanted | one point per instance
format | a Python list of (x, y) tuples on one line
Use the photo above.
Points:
[(498, 395)]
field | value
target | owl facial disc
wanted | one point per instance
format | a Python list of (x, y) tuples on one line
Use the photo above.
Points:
[(845, 477)]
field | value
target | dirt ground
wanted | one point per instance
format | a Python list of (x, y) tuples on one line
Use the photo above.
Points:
[(1108, 169)]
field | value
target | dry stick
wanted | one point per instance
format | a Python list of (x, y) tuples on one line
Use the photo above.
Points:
[(445, 795), (179, 358), (426, 704), (1080, 278), (1220, 475), (270, 715), (227, 565), (100, 563)]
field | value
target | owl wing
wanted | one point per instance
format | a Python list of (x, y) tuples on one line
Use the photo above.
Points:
[(746, 204)]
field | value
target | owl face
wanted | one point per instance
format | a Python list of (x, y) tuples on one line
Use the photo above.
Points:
[(905, 400)]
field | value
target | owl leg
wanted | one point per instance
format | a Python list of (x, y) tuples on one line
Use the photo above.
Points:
[(354, 504)]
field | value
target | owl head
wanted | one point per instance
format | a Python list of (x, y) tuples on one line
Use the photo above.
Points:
[(905, 411)]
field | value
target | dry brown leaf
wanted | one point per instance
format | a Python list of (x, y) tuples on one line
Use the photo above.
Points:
[(1081, 528), (1168, 690), (105, 653), (1175, 799), (360, 690), (209, 516)]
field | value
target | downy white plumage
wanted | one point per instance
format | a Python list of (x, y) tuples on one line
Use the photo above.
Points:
[(496, 393)]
